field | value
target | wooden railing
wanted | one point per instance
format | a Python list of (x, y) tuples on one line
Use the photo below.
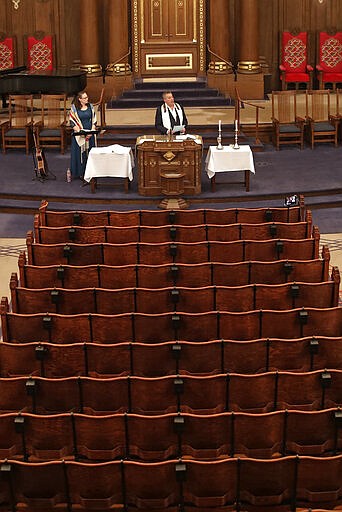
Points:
[(238, 103)]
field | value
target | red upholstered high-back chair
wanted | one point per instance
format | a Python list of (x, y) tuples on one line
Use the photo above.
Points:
[(8, 51), (329, 67), (294, 67), (40, 52)]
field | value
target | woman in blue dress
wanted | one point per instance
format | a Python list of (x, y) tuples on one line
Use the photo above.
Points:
[(82, 117)]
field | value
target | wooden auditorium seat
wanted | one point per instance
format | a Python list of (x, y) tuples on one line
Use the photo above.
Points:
[(205, 484), (100, 438), (269, 484)]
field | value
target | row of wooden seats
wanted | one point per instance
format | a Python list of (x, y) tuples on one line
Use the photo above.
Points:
[(162, 218), (180, 274), (169, 358), (33, 438), (181, 252), (255, 394), (163, 300), (235, 484), (145, 328), (171, 233)]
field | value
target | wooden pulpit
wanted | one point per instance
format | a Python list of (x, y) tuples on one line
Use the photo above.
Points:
[(169, 167)]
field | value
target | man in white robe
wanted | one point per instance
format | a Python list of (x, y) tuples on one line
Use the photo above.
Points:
[(170, 115)]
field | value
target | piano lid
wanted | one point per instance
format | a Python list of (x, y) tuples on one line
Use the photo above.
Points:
[(8, 71), (58, 81)]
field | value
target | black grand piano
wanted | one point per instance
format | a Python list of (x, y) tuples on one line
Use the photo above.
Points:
[(20, 81)]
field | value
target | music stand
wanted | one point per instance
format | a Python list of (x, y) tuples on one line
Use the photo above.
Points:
[(86, 132)]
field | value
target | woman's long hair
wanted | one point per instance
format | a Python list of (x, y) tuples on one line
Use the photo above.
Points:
[(76, 100)]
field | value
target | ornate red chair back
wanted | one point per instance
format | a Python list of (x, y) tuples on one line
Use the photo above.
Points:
[(294, 52), (7, 52), (40, 53)]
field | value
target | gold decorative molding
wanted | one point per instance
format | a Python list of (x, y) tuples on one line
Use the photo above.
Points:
[(202, 56), (135, 18), (122, 68), (195, 21), (169, 156), (173, 61), (142, 22), (219, 67), (249, 66), (92, 69)]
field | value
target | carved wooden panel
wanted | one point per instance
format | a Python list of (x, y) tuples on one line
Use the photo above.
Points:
[(168, 20), (168, 37)]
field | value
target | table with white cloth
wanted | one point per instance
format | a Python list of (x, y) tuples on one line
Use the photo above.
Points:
[(229, 159), (113, 161)]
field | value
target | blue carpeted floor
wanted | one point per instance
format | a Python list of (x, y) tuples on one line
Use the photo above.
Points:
[(315, 173)]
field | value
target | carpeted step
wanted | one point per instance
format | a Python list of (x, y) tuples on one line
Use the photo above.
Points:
[(189, 94), (180, 92)]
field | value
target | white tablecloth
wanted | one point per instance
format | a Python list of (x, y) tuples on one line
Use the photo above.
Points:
[(111, 161), (229, 159)]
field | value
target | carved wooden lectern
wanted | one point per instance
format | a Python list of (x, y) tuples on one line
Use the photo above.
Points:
[(160, 158)]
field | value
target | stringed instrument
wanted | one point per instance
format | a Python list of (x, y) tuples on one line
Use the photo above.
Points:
[(40, 164)]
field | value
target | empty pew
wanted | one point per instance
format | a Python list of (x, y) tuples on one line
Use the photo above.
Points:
[(169, 233), (163, 300), (230, 483), (208, 394), (159, 218), (75, 436), (132, 327), (182, 252), (180, 274), (169, 358)]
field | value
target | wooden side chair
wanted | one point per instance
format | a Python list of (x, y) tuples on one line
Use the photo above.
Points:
[(51, 128), (101, 108), (288, 128), (16, 132), (322, 125)]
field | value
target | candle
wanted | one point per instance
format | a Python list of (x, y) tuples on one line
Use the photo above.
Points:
[(219, 125), (236, 125)]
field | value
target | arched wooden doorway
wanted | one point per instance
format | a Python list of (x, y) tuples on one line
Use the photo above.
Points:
[(168, 38)]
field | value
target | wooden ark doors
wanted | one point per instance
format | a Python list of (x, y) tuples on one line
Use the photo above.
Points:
[(168, 38)]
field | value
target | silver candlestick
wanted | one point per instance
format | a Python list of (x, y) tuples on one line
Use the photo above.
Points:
[(236, 144), (219, 138), (219, 142)]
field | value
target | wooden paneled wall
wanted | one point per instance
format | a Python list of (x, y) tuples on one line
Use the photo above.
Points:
[(58, 17), (61, 17)]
